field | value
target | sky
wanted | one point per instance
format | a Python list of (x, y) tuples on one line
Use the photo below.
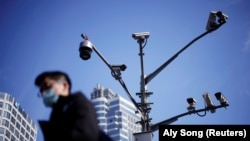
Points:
[(37, 36)]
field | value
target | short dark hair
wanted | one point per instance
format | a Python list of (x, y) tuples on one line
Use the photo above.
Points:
[(55, 75)]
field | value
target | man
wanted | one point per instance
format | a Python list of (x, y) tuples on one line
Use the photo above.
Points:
[(73, 117)]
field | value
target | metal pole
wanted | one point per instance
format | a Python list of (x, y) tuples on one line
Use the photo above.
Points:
[(140, 111), (143, 96)]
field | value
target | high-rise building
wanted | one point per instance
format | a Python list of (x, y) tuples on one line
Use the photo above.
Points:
[(15, 124), (116, 115)]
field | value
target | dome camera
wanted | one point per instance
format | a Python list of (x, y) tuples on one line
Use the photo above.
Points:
[(85, 49)]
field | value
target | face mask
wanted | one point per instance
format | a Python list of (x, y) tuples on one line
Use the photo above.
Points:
[(50, 98)]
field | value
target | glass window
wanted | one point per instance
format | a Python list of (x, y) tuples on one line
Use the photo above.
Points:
[(7, 134), (17, 133), (32, 133), (13, 138), (28, 128), (13, 120), (19, 118), (1, 138), (23, 131), (5, 123), (6, 114), (8, 106), (10, 98), (17, 125), (13, 112), (23, 123), (21, 138), (1, 104), (12, 128), (27, 135), (2, 130)]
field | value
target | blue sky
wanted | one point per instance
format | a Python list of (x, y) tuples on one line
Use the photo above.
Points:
[(44, 35)]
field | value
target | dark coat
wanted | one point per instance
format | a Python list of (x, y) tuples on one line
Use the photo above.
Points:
[(73, 118)]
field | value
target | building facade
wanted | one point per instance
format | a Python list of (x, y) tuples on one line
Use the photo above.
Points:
[(116, 115), (15, 124)]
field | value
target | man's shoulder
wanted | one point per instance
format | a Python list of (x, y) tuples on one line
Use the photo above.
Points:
[(78, 98), (78, 95)]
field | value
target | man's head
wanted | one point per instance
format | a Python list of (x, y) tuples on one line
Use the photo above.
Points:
[(56, 80)]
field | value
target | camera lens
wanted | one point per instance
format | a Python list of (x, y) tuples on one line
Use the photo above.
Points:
[(85, 53)]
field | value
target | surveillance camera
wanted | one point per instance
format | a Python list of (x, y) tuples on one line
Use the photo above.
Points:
[(211, 23), (222, 17), (141, 35), (221, 98), (209, 102), (120, 67), (85, 49), (191, 101)]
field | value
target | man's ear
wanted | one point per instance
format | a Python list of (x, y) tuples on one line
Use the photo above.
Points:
[(66, 86)]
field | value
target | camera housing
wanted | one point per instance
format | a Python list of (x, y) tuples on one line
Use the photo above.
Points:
[(141, 35), (221, 98), (209, 102), (222, 17), (215, 19), (85, 49), (191, 101), (119, 67)]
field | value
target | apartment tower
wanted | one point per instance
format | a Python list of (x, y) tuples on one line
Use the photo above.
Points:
[(116, 115), (15, 124)]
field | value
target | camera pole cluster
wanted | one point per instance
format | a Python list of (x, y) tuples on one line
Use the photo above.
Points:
[(215, 20), (143, 94)]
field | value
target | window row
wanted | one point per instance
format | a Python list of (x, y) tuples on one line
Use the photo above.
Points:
[(12, 118), (17, 125), (13, 110), (14, 136)]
